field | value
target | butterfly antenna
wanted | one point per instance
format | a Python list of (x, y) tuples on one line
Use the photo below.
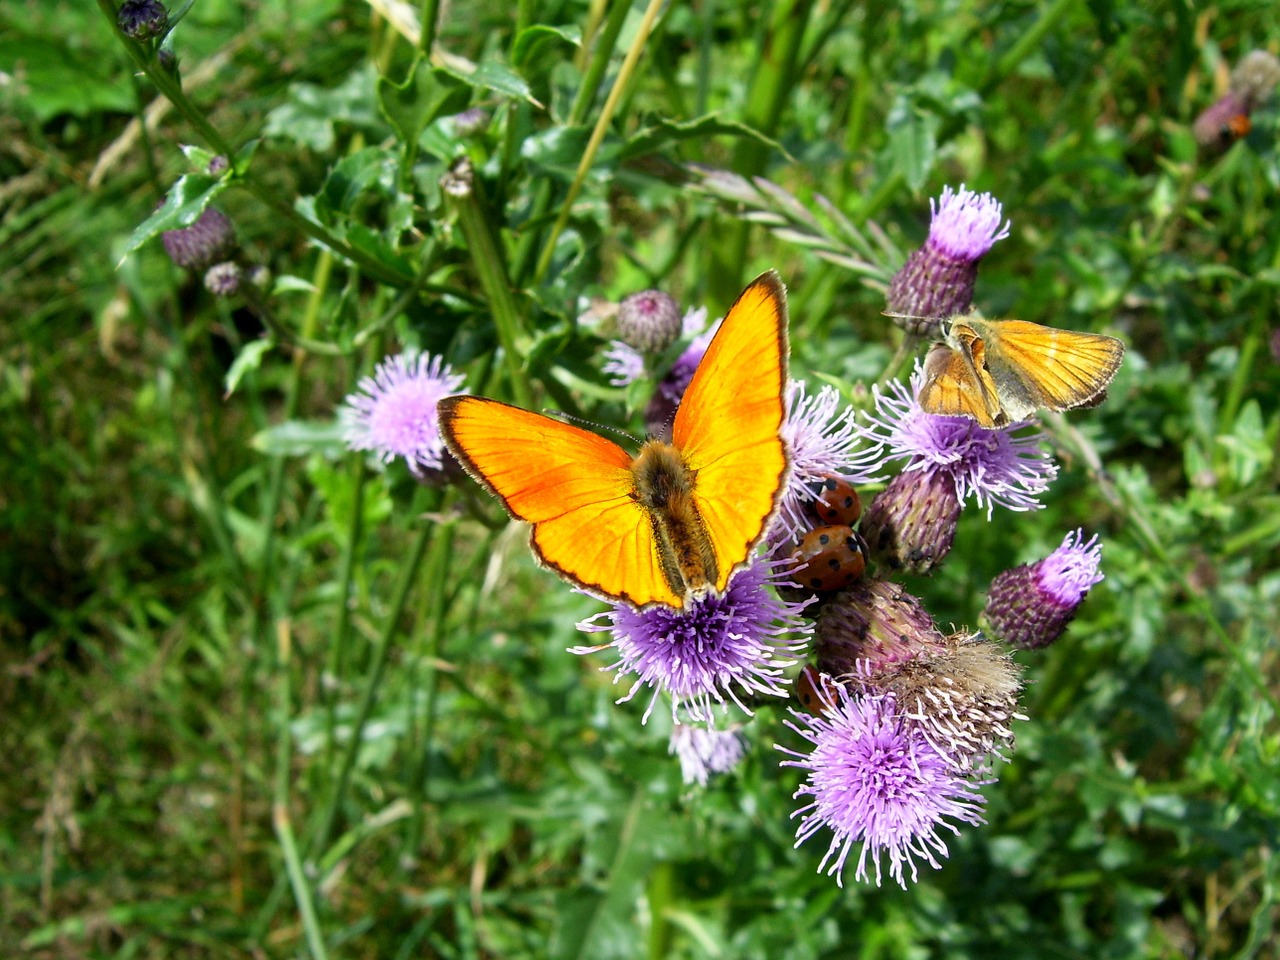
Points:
[(591, 424)]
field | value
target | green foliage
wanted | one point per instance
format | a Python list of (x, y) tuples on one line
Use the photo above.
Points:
[(265, 697)]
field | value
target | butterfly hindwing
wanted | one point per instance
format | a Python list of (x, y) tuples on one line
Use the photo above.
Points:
[(574, 487), (956, 386), (727, 426)]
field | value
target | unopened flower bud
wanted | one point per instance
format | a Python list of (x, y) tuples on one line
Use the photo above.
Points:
[(142, 19), (911, 524), (872, 625), (210, 239), (649, 321)]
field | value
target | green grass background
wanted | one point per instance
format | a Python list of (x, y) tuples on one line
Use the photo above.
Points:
[(201, 593)]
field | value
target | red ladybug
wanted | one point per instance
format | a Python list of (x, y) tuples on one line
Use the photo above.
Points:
[(835, 501), (814, 690), (829, 558), (1238, 126)]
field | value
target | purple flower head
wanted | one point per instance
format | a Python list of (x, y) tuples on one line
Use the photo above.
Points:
[(623, 362), (966, 225), (876, 780), (704, 750), (937, 280), (992, 466), (649, 321), (1217, 124), (470, 122), (1067, 574), (821, 439), (1030, 606), (393, 413), (710, 650)]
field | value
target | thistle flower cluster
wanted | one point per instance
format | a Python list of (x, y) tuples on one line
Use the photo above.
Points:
[(1227, 119), (208, 246), (908, 722)]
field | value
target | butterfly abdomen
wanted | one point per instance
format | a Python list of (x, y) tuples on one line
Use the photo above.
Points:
[(664, 487)]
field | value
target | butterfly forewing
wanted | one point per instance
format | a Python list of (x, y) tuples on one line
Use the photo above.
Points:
[(727, 427), (1062, 368), (575, 488)]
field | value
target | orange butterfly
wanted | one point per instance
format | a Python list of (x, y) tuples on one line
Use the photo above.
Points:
[(1001, 371), (674, 521)]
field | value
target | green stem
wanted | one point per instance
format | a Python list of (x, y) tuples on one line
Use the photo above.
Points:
[(601, 55), (342, 627), (486, 255), (408, 575), (430, 252), (437, 578), (298, 880), (428, 16), (600, 58), (597, 135), (771, 84), (275, 483), (302, 892)]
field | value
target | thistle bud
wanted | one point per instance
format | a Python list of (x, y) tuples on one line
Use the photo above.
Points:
[(210, 239), (142, 19), (911, 524), (872, 626), (649, 321)]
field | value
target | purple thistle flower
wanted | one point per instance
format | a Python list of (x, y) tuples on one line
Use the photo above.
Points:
[(1216, 125), (1031, 605), (623, 362), (703, 751), (393, 413), (822, 439), (992, 466), (712, 649), (875, 779), (470, 122), (937, 279)]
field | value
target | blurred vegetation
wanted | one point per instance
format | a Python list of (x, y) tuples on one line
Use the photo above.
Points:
[(202, 594)]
